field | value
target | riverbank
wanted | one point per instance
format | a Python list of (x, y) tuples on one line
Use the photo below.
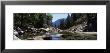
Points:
[(68, 36)]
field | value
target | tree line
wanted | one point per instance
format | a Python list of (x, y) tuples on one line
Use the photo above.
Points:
[(36, 20), (78, 18)]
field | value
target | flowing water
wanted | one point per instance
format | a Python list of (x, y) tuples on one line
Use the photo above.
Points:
[(55, 37), (62, 36)]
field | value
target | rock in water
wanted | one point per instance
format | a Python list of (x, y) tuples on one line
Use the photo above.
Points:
[(15, 38)]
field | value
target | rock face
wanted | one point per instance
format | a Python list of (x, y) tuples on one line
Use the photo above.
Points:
[(15, 37), (86, 23), (15, 34), (78, 28)]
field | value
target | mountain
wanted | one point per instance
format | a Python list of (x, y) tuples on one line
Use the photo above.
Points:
[(56, 23)]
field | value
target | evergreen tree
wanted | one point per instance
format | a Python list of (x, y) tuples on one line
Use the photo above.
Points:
[(68, 22), (62, 24)]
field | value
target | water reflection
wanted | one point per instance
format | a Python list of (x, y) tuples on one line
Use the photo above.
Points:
[(61, 36), (53, 37)]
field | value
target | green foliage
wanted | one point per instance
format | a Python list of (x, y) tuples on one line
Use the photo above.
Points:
[(49, 16), (24, 20), (62, 24)]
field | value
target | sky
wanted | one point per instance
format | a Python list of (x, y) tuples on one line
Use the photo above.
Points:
[(57, 16)]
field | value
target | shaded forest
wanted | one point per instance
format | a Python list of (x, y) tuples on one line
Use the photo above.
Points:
[(36, 20)]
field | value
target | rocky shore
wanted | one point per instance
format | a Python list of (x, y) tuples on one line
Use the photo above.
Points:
[(53, 34)]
